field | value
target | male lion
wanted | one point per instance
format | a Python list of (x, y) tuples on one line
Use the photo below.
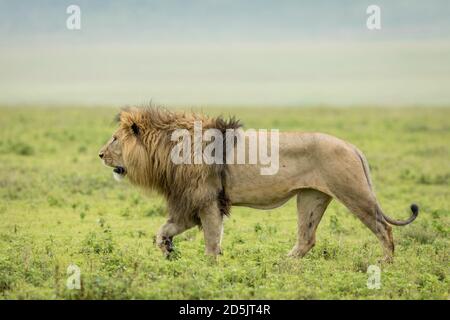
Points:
[(313, 166)]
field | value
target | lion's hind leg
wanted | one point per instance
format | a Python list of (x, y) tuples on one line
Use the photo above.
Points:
[(311, 204), (365, 207)]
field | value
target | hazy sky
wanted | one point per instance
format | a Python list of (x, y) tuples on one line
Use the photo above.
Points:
[(225, 52)]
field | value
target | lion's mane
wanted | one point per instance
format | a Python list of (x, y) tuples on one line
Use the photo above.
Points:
[(187, 188)]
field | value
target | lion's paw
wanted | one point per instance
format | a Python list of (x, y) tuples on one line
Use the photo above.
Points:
[(295, 253)]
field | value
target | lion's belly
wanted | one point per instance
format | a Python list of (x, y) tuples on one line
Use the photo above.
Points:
[(265, 204), (248, 188)]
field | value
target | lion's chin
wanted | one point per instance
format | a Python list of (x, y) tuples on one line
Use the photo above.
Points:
[(118, 177)]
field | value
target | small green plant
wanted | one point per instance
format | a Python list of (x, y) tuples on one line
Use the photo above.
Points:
[(335, 225), (53, 201), (156, 210), (98, 243), (258, 228), (101, 222), (21, 148)]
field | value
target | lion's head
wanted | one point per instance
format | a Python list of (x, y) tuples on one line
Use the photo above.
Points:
[(127, 150), (111, 155)]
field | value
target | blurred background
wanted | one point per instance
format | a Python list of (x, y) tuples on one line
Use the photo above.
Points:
[(225, 52)]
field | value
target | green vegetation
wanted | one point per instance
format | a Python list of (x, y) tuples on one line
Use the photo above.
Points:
[(59, 206)]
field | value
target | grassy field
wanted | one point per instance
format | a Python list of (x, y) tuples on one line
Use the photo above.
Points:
[(60, 206)]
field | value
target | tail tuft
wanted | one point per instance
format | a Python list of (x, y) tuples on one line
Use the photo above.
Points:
[(415, 212)]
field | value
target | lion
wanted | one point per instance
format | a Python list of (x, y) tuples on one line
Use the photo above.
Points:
[(314, 167)]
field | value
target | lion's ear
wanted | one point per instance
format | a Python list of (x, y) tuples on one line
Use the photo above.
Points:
[(135, 128)]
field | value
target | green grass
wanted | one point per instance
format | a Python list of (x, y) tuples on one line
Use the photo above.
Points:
[(60, 206)]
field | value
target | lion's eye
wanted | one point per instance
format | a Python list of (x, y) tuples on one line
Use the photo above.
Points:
[(114, 139)]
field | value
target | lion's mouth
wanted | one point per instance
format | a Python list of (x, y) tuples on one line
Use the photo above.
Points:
[(120, 170), (119, 173)]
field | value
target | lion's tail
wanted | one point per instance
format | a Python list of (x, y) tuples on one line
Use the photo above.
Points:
[(415, 212), (414, 207)]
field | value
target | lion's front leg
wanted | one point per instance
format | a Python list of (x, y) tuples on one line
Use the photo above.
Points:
[(212, 223), (167, 232)]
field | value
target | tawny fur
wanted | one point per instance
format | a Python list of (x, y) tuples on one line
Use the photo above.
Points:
[(315, 167)]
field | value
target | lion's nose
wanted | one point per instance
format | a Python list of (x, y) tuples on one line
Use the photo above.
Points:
[(101, 154)]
